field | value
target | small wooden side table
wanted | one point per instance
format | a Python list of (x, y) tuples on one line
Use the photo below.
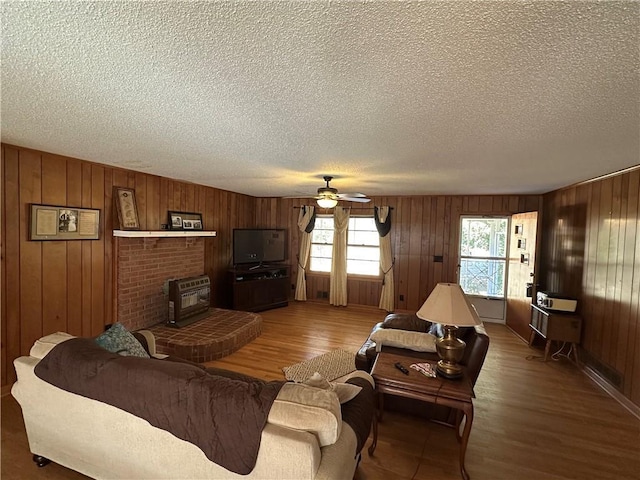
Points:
[(555, 326), (457, 394)]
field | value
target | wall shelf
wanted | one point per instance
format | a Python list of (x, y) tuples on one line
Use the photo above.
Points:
[(163, 233)]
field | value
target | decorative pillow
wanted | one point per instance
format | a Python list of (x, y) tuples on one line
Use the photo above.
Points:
[(344, 391), (318, 381), (417, 341), (313, 410), (119, 340)]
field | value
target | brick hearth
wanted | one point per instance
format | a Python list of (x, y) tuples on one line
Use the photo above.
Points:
[(143, 266), (216, 336)]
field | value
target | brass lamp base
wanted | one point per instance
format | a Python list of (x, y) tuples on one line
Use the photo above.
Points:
[(447, 370), (451, 350)]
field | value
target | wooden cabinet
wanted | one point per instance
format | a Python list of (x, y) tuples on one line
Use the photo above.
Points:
[(559, 326), (260, 288)]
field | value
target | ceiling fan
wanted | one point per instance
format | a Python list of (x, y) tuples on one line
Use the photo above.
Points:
[(328, 197)]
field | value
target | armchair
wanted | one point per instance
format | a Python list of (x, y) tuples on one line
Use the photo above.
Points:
[(477, 345)]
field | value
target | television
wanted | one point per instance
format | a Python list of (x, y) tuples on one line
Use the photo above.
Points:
[(259, 246)]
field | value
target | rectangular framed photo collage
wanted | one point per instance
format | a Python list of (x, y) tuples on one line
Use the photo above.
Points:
[(51, 222), (185, 221)]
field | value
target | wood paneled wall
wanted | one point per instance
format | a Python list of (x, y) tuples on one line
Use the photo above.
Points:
[(422, 227), (68, 285), (591, 251)]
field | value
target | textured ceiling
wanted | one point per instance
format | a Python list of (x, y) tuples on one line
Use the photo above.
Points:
[(392, 98)]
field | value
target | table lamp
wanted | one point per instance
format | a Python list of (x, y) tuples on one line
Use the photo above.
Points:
[(448, 305)]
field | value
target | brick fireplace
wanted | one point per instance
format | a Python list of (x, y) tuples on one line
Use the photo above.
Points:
[(143, 266)]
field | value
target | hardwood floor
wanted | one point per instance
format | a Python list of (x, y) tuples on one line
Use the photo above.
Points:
[(533, 420)]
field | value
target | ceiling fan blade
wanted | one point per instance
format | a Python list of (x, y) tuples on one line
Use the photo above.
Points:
[(355, 199), (357, 195), (332, 193)]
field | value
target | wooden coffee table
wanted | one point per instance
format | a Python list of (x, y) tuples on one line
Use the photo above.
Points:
[(457, 394)]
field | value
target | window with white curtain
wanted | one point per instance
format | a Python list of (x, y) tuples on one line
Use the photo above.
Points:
[(363, 246)]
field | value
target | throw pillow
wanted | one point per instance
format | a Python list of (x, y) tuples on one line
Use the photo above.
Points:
[(119, 340), (417, 341), (318, 381), (344, 391)]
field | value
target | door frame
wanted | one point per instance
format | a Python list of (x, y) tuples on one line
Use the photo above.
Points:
[(535, 267), (502, 299)]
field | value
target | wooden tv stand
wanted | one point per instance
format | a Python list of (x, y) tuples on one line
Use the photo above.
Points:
[(260, 288)]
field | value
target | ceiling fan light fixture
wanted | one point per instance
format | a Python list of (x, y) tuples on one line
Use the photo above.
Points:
[(327, 202)]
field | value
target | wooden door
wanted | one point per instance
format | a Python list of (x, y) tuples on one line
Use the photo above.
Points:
[(522, 273)]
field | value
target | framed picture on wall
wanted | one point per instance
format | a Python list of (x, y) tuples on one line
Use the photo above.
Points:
[(50, 222), (185, 221), (125, 199)]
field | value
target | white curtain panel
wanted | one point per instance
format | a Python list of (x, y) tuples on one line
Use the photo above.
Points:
[(338, 286), (387, 297), (304, 217)]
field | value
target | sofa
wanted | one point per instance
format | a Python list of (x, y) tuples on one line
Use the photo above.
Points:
[(308, 433), (406, 334)]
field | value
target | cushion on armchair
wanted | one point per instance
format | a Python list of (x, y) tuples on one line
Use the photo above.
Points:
[(416, 341)]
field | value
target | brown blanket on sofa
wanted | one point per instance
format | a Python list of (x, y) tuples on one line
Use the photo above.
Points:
[(224, 417)]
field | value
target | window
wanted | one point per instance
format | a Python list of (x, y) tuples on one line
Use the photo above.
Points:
[(363, 246), (483, 255)]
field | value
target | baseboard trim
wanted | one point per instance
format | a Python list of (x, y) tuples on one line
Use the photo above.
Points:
[(612, 391)]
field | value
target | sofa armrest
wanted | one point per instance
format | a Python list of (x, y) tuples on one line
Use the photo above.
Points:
[(44, 345), (302, 407), (358, 413), (475, 352), (148, 341)]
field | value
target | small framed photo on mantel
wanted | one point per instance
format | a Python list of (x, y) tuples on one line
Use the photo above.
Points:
[(185, 221)]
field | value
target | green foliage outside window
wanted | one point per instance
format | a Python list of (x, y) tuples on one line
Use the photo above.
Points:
[(483, 255)]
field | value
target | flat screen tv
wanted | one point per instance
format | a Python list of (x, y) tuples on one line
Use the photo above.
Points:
[(259, 246)]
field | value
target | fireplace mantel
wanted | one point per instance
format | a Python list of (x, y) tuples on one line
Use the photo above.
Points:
[(163, 233)]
